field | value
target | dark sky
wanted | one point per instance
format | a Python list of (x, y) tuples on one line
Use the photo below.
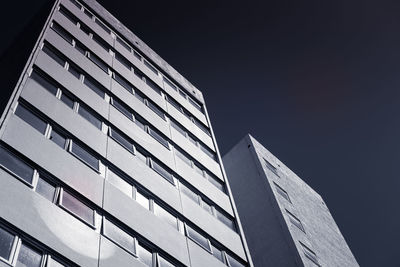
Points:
[(316, 82)]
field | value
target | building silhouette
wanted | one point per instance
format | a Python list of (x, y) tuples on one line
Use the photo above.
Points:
[(107, 156), (286, 223)]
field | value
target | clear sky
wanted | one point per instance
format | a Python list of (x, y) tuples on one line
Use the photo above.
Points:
[(316, 82)]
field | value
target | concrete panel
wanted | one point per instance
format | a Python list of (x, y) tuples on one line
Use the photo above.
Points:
[(205, 187), (139, 84), (46, 222), (83, 38), (140, 108), (143, 174), (189, 125), (113, 255), (141, 137), (146, 223), (89, 22), (212, 226), (76, 87), (80, 60), (54, 159), (65, 116), (199, 257), (184, 142)]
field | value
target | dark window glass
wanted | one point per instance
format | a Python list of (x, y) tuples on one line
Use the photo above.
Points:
[(121, 108), (67, 100), (173, 86), (31, 119), (63, 33), (122, 42), (183, 157), (96, 60), (195, 104), (6, 242), (138, 73), (68, 15), (95, 86), (85, 156), (282, 192), (140, 96), (81, 49), (225, 220), (75, 206), (87, 13), (153, 85), (233, 262), (119, 236), (101, 42), (159, 138), (198, 169), (28, 257), (189, 193), (165, 215), (123, 83), (122, 140), (198, 238), (137, 55), (217, 253), (174, 103), (310, 254), (140, 124), (157, 110), (45, 189), (271, 167), (145, 255), (15, 165), (58, 138), (153, 69), (123, 61), (295, 221), (192, 139), (76, 4), (163, 172), (202, 127), (214, 181), (74, 71), (49, 86), (89, 116), (57, 58), (101, 24), (85, 29), (141, 155), (207, 151), (182, 93), (178, 128)]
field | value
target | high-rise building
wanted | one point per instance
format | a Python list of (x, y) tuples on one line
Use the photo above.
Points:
[(108, 158), (286, 223)]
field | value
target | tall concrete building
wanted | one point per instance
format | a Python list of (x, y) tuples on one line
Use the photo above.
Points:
[(286, 223), (108, 158)]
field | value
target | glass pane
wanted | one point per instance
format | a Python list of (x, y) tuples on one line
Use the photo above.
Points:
[(294, 220), (233, 262), (198, 169), (137, 55), (145, 255), (6, 242), (217, 253), (225, 220), (192, 139), (165, 215), (77, 207), (153, 69), (142, 200), (63, 33), (74, 71), (15, 165), (119, 236), (141, 156), (139, 96), (81, 49), (28, 257), (49, 86), (195, 104), (85, 29), (169, 83), (282, 192), (67, 100), (31, 119), (159, 138), (101, 24), (96, 60), (174, 103), (68, 15), (140, 124), (87, 13), (153, 86), (157, 110), (58, 138), (45, 189), (182, 93), (121, 108), (202, 127), (119, 183), (207, 207), (183, 157), (178, 128), (123, 61), (95, 86), (189, 193), (85, 156), (57, 58), (123, 82), (89, 116), (164, 263), (101, 42), (122, 140), (208, 152), (217, 183), (127, 47), (198, 238), (161, 171)]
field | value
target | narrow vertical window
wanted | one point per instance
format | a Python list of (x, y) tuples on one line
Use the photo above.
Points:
[(6, 244), (45, 189)]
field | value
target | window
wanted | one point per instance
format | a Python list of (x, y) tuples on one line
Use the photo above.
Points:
[(45, 189), (85, 156), (183, 157), (45, 83), (54, 263), (141, 155), (57, 58), (16, 166), (123, 82), (164, 263), (169, 83), (58, 138), (31, 119), (6, 244), (195, 104), (225, 220), (233, 262), (121, 140), (161, 171), (189, 193), (63, 33), (94, 85), (77, 208), (28, 257), (153, 86), (207, 207), (156, 110), (119, 183), (140, 124), (217, 253), (123, 61), (121, 108), (217, 183), (310, 254), (101, 24), (143, 200), (68, 15), (101, 42), (165, 215), (202, 127), (295, 221), (125, 45), (74, 71), (158, 137), (153, 69), (282, 192), (178, 128), (271, 167), (96, 60), (119, 236), (198, 238), (67, 100), (89, 117), (87, 13), (145, 255)]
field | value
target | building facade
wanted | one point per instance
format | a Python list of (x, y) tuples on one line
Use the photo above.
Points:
[(108, 158), (286, 223)]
